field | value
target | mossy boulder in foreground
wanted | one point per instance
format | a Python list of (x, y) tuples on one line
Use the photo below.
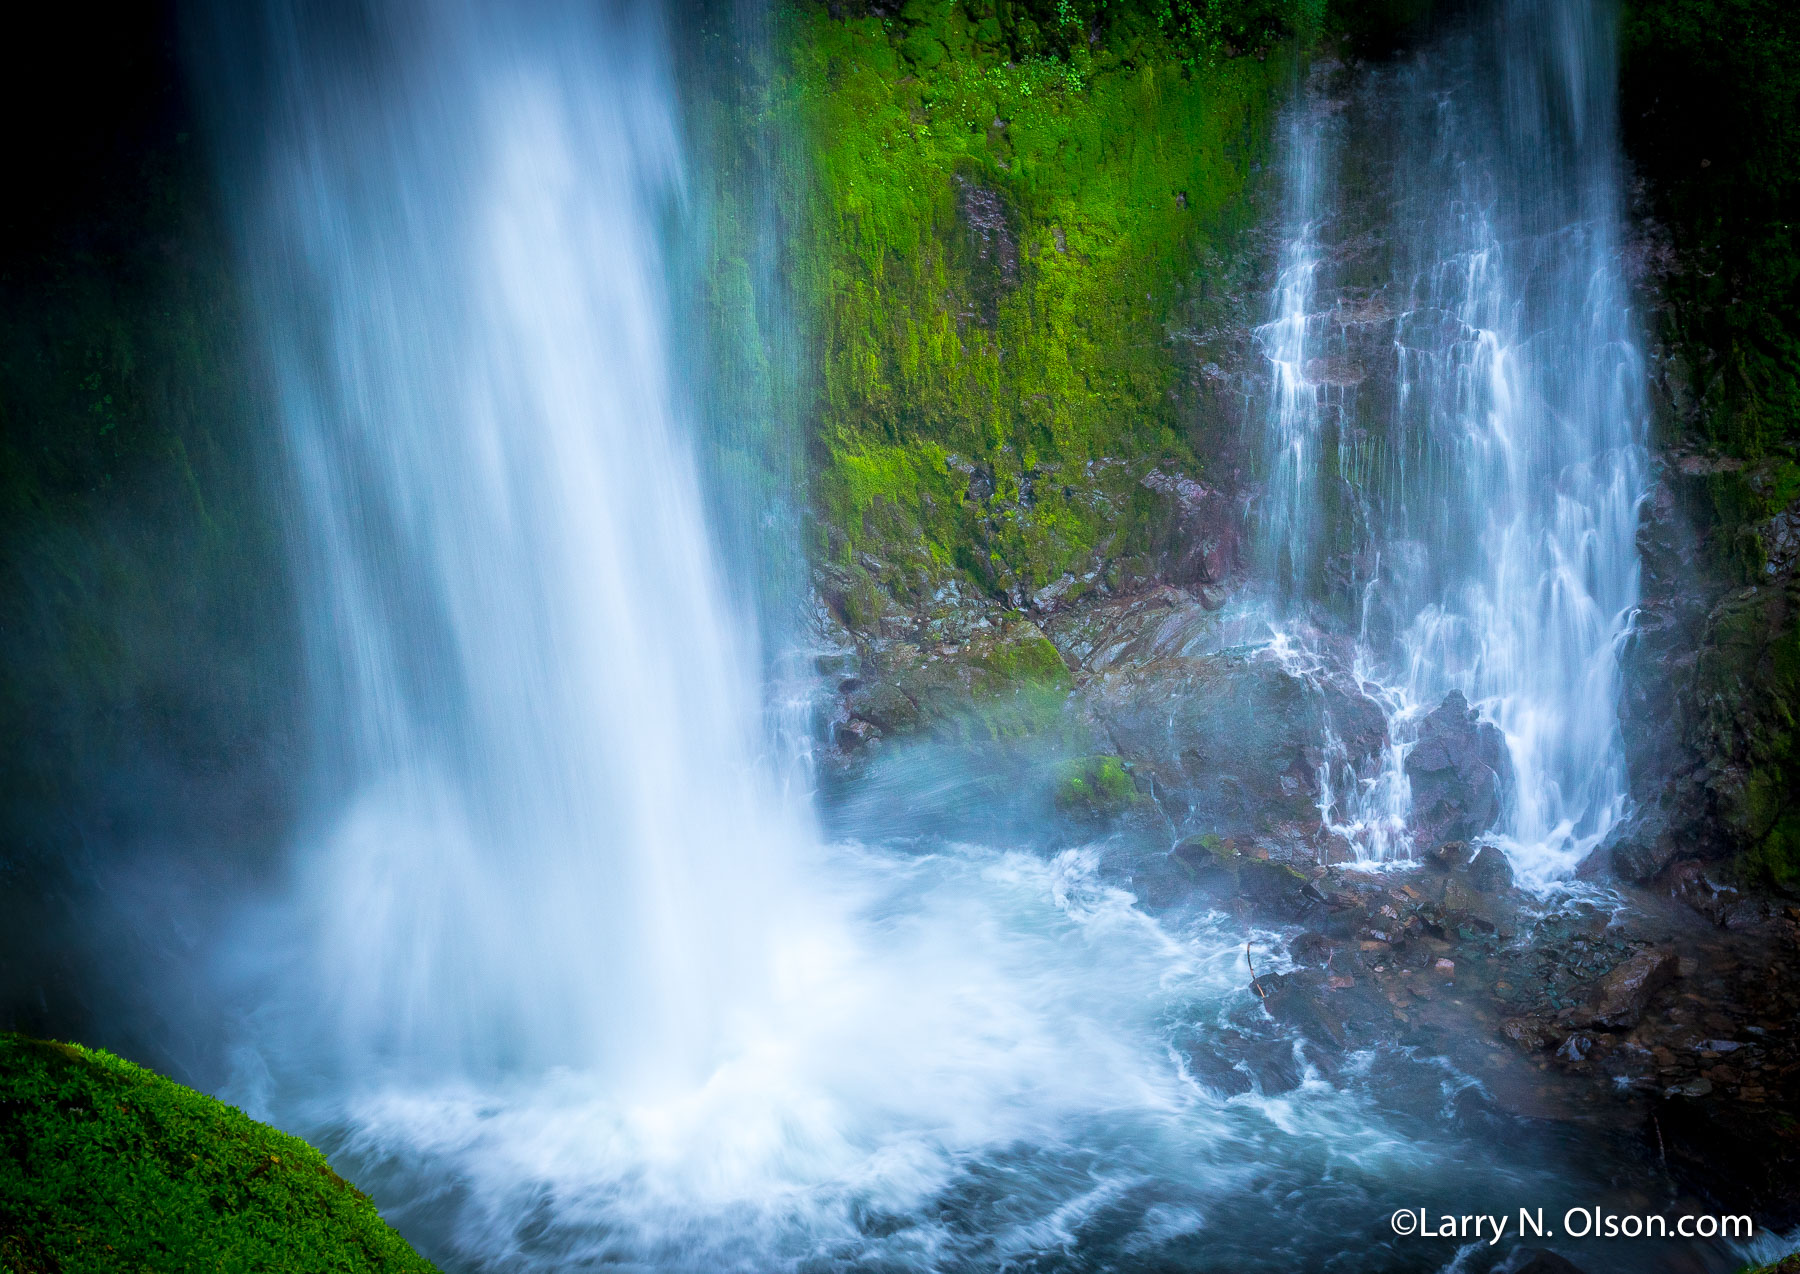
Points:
[(107, 1166)]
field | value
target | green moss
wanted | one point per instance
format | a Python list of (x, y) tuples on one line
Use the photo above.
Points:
[(1016, 243), (110, 1167), (1095, 787), (1747, 679)]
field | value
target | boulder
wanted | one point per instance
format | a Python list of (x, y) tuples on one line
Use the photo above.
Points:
[(1543, 1261), (1451, 855), (1460, 772), (1622, 995), (1490, 873), (1233, 740), (1269, 888)]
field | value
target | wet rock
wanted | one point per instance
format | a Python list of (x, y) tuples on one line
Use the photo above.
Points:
[(1459, 770), (1641, 846), (1094, 788), (1299, 1000), (1232, 741), (1529, 1033), (1490, 872), (1213, 1069), (1310, 948), (1450, 855), (1623, 994), (1274, 889), (1268, 888), (1463, 912), (1575, 1049), (1720, 903), (1272, 1065), (1542, 1261), (1196, 539), (1732, 1153), (1208, 861)]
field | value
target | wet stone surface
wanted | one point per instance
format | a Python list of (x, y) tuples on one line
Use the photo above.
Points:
[(1630, 1011)]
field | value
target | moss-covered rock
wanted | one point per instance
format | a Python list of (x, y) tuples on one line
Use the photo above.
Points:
[(106, 1166), (1095, 788), (1747, 694), (1001, 681), (1023, 250)]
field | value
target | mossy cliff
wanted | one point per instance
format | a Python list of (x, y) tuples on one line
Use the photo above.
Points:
[(1710, 97), (106, 1166), (1027, 254), (1032, 244)]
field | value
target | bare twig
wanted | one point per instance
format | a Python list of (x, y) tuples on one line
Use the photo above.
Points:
[(1254, 983)]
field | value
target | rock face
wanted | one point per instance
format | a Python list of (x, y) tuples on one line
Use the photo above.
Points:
[(1233, 743), (1709, 684), (1195, 541), (1460, 772), (1643, 845)]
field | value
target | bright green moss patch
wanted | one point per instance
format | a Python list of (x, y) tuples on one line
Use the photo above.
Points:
[(1095, 787), (107, 1166), (1019, 246)]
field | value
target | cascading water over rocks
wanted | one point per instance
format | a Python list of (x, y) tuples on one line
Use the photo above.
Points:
[(1455, 441)]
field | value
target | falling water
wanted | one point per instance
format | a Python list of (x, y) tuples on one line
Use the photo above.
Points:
[(559, 975), (1456, 439), (537, 716)]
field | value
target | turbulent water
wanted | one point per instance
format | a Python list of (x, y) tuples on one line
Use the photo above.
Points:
[(1455, 450), (563, 977)]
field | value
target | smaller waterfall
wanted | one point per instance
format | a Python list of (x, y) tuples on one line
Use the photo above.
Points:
[(1455, 448)]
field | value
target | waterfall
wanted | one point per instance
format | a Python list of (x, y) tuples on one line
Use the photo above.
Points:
[(537, 717), (559, 974), (1455, 449)]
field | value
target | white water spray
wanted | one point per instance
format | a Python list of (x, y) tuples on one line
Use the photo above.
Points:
[(1460, 467)]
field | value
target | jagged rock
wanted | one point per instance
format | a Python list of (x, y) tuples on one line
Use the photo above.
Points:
[(1490, 872), (1622, 995), (1459, 770)]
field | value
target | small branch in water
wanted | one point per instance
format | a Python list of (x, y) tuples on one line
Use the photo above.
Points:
[(1254, 983)]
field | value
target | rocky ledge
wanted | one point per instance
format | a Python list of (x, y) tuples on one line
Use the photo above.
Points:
[(1655, 997)]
